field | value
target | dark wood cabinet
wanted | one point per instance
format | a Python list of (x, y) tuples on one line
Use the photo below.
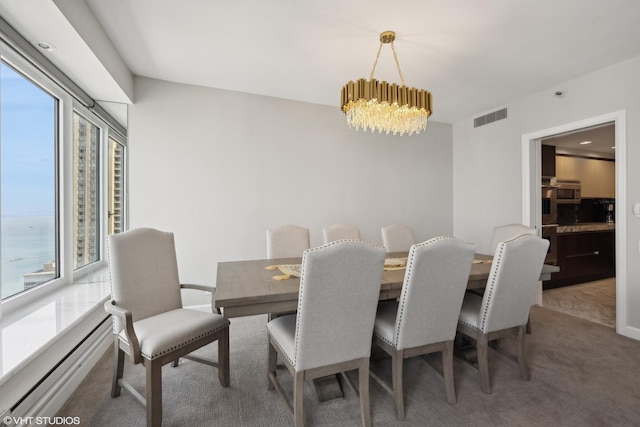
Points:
[(584, 257), (548, 153)]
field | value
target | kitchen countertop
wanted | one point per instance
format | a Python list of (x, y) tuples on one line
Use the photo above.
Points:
[(586, 226)]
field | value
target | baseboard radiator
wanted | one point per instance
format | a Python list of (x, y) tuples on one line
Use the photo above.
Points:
[(41, 403)]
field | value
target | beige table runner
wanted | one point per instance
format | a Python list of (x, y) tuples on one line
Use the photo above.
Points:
[(293, 270), (288, 270)]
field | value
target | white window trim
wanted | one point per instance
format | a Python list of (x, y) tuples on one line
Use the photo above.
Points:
[(64, 100), (66, 106)]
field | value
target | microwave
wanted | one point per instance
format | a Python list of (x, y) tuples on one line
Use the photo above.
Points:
[(568, 192)]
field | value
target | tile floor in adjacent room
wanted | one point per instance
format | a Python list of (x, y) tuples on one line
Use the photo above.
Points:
[(594, 301)]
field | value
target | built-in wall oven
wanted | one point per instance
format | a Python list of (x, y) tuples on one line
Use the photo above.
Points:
[(549, 192)]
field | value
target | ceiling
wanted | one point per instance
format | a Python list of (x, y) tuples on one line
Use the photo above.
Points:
[(601, 141), (474, 56)]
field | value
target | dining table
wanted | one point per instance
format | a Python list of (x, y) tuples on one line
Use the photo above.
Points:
[(250, 287)]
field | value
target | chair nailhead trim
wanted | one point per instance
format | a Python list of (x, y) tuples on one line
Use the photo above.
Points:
[(282, 352), (155, 356), (469, 325), (384, 339)]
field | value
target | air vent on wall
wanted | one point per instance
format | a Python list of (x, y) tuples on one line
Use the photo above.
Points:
[(490, 118)]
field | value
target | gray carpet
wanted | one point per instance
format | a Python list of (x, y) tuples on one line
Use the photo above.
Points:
[(582, 374)]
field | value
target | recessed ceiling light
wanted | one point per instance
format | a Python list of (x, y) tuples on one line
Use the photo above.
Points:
[(45, 46), (585, 142)]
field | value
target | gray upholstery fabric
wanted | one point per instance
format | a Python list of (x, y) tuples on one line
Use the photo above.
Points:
[(507, 232), (397, 237), (385, 325), (510, 288), (334, 232), (287, 241), (168, 331), (432, 293), (283, 330), (144, 273), (339, 291), (470, 310)]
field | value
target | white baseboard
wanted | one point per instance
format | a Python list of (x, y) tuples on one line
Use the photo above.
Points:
[(629, 331)]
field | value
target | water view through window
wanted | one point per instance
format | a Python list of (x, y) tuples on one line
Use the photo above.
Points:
[(27, 183)]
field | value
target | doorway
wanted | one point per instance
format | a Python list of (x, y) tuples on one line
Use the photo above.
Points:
[(531, 206), (581, 164)]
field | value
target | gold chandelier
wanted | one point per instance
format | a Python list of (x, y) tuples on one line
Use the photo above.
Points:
[(373, 105)]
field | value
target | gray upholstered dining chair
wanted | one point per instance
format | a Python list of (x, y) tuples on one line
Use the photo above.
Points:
[(425, 317), (335, 232), (508, 231), (287, 241), (332, 329), (503, 310), (397, 237), (149, 322)]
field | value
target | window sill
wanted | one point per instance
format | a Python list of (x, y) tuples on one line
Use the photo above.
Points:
[(31, 329)]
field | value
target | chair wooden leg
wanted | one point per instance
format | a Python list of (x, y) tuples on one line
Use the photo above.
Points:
[(298, 398), (118, 369), (271, 363), (397, 361), (483, 363), (175, 363), (223, 359), (154, 393), (363, 387), (447, 370), (529, 325), (524, 370)]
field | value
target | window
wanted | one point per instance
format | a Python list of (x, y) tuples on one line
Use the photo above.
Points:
[(62, 183), (86, 194), (28, 139)]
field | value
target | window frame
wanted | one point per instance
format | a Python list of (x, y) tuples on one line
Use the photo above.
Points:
[(49, 91), (64, 176), (85, 114)]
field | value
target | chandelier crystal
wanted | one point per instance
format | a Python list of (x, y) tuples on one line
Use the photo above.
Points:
[(386, 107)]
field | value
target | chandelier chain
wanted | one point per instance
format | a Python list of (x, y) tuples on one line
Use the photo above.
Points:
[(375, 63), (395, 56)]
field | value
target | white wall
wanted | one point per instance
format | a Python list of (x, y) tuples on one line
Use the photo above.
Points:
[(487, 160), (218, 168)]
